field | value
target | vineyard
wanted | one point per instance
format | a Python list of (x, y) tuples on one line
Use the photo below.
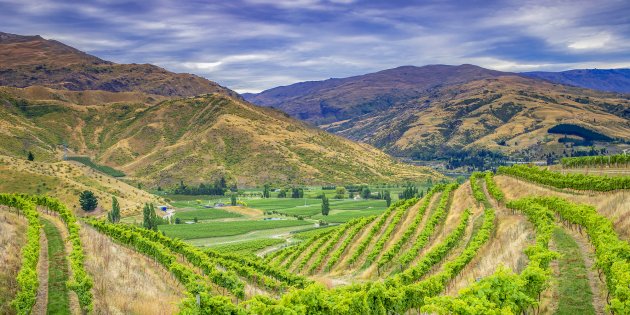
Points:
[(448, 252), (617, 160)]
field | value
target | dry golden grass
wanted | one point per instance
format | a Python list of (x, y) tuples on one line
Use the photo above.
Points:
[(513, 233), (65, 180), (614, 205), (126, 282), (462, 199), (199, 139), (12, 238), (506, 247), (89, 97), (246, 211)]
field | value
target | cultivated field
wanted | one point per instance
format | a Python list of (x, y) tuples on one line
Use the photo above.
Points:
[(525, 240)]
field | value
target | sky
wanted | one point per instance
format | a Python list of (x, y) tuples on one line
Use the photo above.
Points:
[(253, 45)]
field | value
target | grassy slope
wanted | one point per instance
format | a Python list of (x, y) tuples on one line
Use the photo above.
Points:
[(482, 113), (194, 139), (58, 301), (66, 180), (575, 296)]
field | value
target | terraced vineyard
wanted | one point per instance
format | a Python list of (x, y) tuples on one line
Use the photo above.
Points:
[(496, 244)]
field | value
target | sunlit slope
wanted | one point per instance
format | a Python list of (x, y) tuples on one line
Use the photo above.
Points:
[(508, 114), (193, 139), (66, 180)]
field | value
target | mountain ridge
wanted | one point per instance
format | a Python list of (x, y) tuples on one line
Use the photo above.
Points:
[(446, 115), (609, 80), (32, 60), (341, 98)]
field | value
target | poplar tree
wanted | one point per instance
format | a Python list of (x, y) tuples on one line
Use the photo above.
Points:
[(149, 217), (325, 205), (114, 215)]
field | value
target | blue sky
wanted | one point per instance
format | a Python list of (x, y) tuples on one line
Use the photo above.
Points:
[(251, 45)]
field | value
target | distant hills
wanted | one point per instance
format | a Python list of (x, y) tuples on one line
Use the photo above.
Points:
[(161, 128), (438, 111), (612, 80), (332, 100)]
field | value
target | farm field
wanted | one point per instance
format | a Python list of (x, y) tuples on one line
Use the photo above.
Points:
[(521, 232), (215, 229)]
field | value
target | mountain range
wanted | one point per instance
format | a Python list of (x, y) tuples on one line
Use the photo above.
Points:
[(161, 128), (611, 80), (438, 111)]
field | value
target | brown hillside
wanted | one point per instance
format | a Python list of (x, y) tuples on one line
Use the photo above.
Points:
[(33, 60), (509, 114), (196, 139)]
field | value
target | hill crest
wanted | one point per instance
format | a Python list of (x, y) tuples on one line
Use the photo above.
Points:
[(32, 60)]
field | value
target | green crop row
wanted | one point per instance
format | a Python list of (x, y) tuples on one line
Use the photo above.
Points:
[(411, 229), (429, 229), (572, 181), (351, 235), (384, 237), (27, 276), (375, 229), (435, 255), (323, 253), (81, 282)]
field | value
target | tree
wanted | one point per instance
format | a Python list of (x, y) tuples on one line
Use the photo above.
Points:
[(150, 219), (31, 157), (365, 193), (282, 193), (295, 192), (340, 192), (88, 201), (325, 205), (233, 199), (178, 221), (351, 195), (266, 193), (388, 198), (114, 215)]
